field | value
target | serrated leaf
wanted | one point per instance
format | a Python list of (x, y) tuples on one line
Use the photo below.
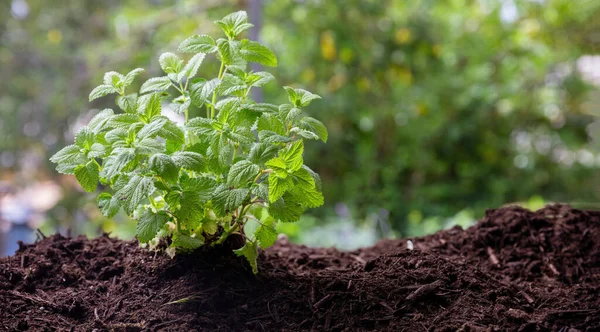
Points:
[(289, 112), (250, 251), (135, 191), (228, 50), (267, 136), (149, 224), (293, 156), (84, 137), (156, 84), (204, 187), (202, 127), (300, 97), (131, 76), (278, 186), (170, 63), (202, 93), (278, 165), (128, 103), (149, 146), (198, 43), (68, 154), (97, 150), (113, 78), (231, 84), (271, 123), (191, 211), (234, 23), (180, 104), (314, 126), (124, 120), (101, 91), (189, 160), (262, 108), (150, 106), (305, 134), (100, 121), (210, 226), (242, 135), (260, 153), (172, 133), (173, 198), (241, 173), (88, 176), (192, 66), (311, 198), (108, 204), (287, 209), (259, 79), (187, 242), (115, 163), (252, 51), (164, 166), (315, 176), (265, 234), (226, 199), (152, 129)]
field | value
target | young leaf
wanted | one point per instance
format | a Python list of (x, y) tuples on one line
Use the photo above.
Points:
[(198, 44), (250, 251), (234, 23), (278, 186), (101, 91), (265, 234), (88, 175), (170, 63), (191, 68), (287, 209), (226, 199), (252, 51), (128, 79), (190, 213), (113, 79), (99, 122), (189, 160), (314, 126), (241, 173), (128, 102), (156, 84), (165, 167), (292, 156), (228, 50), (135, 191), (108, 204), (202, 93), (149, 224)]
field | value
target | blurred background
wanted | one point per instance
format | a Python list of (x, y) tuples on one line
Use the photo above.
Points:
[(436, 109)]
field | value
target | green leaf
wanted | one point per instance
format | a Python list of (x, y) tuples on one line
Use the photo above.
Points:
[(156, 84), (128, 79), (124, 120), (153, 128), (265, 234), (135, 191), (231, 84), (165, 167), (100, 121), (198, 43), (187, 242), (192, 66), (150, 106), (271, 123), (114, 79), (260, 153), (252, 51), (314, 126), (170, 63), (101, 91), (234, 23), (189, 160), (172, 133), (287, 209), (191, 212), (149, 146), (149, 224), (300, 97), (84, 137), (202, 127), (128, 103), (173, 198), (180, 104), (68, 154), (88, 175), (241, 173), (310, 197), (259, 79), (226, 199), (116, 162), (315, 176), (278, 186), (108, 204), (203, 186), (228, 50), (278, 165), (202, 93), (97, 150), (250, 251), (293, 156), (267, 136)]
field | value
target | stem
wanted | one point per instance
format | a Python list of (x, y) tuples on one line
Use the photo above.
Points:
[(214, 98), (265, 171), (225, 235), (186, 115)]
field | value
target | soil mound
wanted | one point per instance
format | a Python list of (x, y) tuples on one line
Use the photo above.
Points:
[(105, 284)]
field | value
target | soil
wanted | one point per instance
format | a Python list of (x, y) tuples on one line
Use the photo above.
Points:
[(515, 270)]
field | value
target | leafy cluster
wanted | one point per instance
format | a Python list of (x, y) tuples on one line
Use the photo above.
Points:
[(239, 170)]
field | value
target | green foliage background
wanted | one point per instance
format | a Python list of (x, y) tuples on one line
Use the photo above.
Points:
[(433, 107)]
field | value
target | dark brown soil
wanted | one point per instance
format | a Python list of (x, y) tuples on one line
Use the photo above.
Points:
[(515, 270)]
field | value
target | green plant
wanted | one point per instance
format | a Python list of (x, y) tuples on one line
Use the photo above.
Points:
[(238, 170)]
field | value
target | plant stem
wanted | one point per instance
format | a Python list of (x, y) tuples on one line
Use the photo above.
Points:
[(225, 235), (214, 98), (265, 171)]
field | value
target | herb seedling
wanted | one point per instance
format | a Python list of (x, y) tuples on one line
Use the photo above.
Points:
[(239, 170)]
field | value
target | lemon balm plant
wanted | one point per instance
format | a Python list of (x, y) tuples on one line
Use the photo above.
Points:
[(239, 170)]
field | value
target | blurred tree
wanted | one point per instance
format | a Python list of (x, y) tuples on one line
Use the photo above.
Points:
[(433, 106)]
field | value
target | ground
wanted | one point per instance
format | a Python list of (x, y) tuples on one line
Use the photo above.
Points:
[(516, 270)]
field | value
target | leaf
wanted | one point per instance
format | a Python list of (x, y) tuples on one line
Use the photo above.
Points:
[(189, 160), (278, 186), (278, 165), (231, 84), (128, 103), (287, 209), (152, 129), (68, 154), (305, 134), (202, 93), (198, 43), (149, 146), (203, 186), (314, 126), (234, 23), (300, 97), (192, 66), (259, 79), (202, 127), (135, 191), (260, 153), (293, 156), (241, 173), (191, 212), (173, 198), (187, 242), (115, 163), (271, 123), (131, 76), (88, 175), (315, 177), (84, 137), (172, 133), (265, 234), (97, 150), (108, 204), (149, 224), (225, 199), (124, 120), (165, 167), (150, 106), (100, 121), (228, 50), (101, 91), (113, 79), (310, 197), (156, 84), (250, 251), (252, 51), (170, 63), (267, 136)]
